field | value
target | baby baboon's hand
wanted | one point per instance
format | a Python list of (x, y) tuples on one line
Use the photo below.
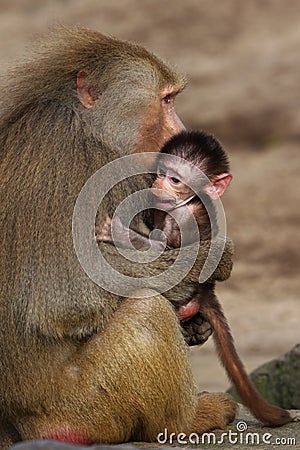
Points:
[(114, 231), (103, 234)]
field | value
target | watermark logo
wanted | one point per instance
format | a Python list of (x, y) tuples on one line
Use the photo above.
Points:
[(239, 437), (241, 426), (93, 258)]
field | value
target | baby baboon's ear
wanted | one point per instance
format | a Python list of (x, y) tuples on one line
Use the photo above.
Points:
[(218, 186)]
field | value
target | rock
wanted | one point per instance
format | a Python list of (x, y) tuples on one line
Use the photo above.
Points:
[(279, 380)]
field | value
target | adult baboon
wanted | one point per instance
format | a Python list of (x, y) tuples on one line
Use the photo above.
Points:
[(79, 364)]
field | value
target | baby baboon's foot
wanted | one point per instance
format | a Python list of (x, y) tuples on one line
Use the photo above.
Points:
[(214, 411), (196, 331)]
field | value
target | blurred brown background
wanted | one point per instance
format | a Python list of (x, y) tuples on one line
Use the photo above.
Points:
[(242, 60)]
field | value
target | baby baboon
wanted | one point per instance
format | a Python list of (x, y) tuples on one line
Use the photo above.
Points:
[(173, 194)]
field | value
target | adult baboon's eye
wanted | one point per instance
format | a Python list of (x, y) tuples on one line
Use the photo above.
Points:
[(175, 180), (167, 99)]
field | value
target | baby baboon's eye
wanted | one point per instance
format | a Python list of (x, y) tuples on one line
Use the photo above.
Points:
[(175, 180)]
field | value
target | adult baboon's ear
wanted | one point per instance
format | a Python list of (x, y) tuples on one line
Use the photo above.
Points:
[(84, 91)]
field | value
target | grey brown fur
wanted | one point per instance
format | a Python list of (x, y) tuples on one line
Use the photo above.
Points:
[(76, 360)]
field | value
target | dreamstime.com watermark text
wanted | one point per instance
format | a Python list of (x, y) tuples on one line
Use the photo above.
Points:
[(240, 436)]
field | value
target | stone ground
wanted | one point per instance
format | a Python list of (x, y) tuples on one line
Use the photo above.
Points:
[(244, 433)]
